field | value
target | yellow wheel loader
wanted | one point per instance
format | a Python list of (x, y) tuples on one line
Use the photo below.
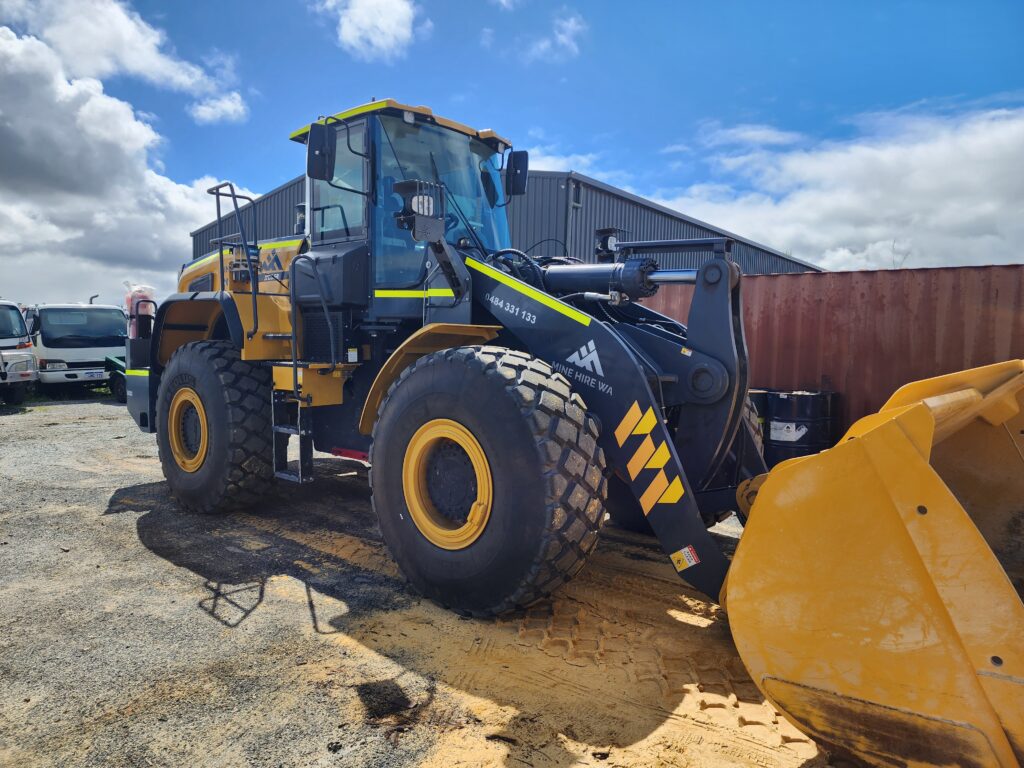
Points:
[(875, 593)]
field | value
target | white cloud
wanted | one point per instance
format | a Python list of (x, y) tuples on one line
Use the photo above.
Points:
[(675, 149), (229, 108), (486, 37), (548, 158), (377, 30), (909, 190), (563, 42), (80, 203), (506, 5), (104, 38), (748, 134)]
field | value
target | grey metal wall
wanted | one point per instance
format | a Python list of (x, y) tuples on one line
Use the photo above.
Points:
[(577, 205), (275, 215), (559, 207)]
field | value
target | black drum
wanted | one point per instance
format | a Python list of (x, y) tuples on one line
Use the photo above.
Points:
[(799, 424)]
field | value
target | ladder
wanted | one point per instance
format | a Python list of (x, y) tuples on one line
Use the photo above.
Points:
[(290, 418)]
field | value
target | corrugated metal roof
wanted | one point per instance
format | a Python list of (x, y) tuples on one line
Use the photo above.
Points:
[(275, 212), (560, 213), (650, 215)]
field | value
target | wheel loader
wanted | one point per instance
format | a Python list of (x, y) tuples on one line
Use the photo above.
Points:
[(506, 405)]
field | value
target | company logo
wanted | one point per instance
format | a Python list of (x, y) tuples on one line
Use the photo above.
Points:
[(586, 357), (272, 263)]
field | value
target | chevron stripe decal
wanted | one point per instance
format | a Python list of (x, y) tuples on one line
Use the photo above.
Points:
[(647, 455)]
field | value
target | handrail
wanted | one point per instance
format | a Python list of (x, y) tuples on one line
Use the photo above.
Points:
[(249, 250)]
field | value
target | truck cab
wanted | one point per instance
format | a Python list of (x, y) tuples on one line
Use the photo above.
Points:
[(71, 341), (17, 366)]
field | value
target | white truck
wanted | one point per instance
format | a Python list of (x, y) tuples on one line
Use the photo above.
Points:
[(72, 341), (17, 366)]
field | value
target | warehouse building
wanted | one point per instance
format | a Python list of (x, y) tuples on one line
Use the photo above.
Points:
[(559, 214)]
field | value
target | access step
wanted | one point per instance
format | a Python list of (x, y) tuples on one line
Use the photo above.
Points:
[(285, 429), (292, 477), (290, 418)]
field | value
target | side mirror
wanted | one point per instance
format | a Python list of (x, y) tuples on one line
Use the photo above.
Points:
[(320, 152), (517, 172), (300, 219)]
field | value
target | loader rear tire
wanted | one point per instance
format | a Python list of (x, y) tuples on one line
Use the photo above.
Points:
[(213, 428), (487, 478)]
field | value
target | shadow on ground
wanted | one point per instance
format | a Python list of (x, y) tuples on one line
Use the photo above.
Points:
[(624, 654)]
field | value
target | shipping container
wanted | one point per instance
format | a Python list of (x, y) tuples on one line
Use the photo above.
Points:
[(865, 334), (559, 214)]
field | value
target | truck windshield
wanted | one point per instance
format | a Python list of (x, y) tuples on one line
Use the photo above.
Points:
[(12, 325), (468, 167), (67, 327)]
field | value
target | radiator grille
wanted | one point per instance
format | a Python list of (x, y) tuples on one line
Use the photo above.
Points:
[(316, 341)]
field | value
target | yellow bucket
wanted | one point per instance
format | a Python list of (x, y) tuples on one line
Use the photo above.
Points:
[(875, 596)]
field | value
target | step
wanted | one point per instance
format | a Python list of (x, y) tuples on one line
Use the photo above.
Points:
[(292, 477), (286, 429)]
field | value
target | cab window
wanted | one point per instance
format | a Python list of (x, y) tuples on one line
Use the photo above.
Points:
[(339, 206), (12, 326)]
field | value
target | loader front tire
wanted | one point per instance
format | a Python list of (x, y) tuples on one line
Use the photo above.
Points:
[(213, 428), (487, 478)]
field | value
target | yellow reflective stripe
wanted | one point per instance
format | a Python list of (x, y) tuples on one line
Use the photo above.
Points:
[(204, 260), (131, 372), (533, 293), (227, 252), (362, 109), (281, 244), (414, 294)]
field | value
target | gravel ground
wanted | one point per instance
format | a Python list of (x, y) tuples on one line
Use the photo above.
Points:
[(134, 634)]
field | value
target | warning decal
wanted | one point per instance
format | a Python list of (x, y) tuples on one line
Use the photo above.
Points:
[(684, 558)]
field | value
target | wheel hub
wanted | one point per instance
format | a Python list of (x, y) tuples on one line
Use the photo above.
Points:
[(451, 481), (447, 484), (187, 429)]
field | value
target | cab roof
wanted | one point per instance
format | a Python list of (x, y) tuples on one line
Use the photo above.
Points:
[(81, 305), (390, 104)]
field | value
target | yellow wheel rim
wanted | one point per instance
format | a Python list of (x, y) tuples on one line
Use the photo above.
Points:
[(420, 480), (188, 430)]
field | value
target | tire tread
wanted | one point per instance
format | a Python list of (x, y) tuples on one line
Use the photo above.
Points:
[(249, 475), (573, 464)]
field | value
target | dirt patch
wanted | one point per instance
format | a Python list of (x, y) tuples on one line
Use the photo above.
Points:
[(134, 634)]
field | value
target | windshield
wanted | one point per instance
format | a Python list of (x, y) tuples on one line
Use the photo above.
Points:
[(468, 167), (82, 327), (12, 325)]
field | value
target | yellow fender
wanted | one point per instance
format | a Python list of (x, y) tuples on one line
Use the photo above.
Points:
[(429, 338), (875, 596)]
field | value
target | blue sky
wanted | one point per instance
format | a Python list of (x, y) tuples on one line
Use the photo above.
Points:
[(642, 80), (871, 134)]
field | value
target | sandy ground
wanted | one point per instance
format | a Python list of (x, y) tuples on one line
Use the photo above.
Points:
[(134, 634)]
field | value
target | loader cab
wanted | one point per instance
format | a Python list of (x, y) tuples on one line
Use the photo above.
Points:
[(355, 161)]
